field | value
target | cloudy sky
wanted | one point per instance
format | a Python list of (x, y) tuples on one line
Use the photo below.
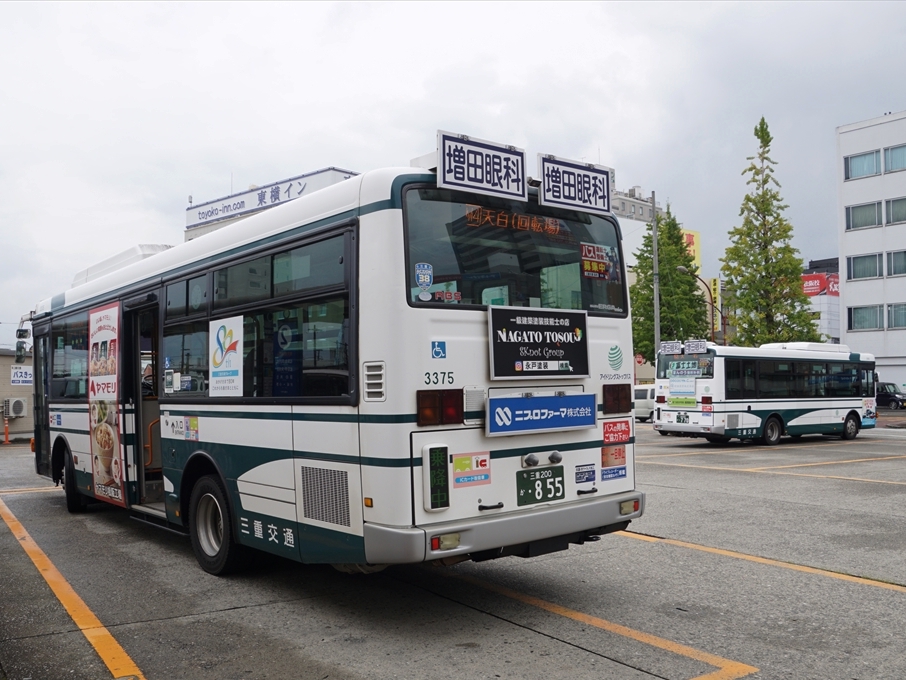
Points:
[(113, 114)]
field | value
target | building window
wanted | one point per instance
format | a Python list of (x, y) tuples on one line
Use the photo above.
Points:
[(863, 165), (896, 210), (623, 205), (632, 209), (868, 215), (650, 212), (896, 263), (896, 316), (864, 267), (864, 318), (895, 158)]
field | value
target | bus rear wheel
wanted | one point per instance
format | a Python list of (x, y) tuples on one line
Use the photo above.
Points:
[(773, 429), (850, 427), (211, 529)]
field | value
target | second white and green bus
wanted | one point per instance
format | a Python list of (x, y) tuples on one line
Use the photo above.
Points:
[(763, 393)]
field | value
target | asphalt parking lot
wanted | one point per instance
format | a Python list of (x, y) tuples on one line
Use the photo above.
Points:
[(755, 562)]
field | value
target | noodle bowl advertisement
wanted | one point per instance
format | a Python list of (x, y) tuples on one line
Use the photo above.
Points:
[(103, 414)]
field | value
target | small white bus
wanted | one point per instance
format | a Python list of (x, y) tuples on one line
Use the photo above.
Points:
[(382, 372), (762, 393)]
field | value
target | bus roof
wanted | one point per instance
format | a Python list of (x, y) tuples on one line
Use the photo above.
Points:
[(329, 205), (793, 350)]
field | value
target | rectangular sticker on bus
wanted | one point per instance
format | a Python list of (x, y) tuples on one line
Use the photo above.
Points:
[(471, 469)]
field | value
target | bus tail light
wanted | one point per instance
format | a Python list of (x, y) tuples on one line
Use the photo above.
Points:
[(445, 542), (706, 400), (440, 407), (628, 507), (661, 399), (617, 398)]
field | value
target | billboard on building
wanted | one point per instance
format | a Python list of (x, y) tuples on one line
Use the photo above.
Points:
[(821, 284)]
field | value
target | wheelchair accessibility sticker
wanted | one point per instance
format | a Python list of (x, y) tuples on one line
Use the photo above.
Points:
[(438, 349)]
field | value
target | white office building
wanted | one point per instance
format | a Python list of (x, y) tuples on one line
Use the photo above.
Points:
[(871, 203)]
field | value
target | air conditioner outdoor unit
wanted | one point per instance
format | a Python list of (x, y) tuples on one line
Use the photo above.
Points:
[(14, 408)]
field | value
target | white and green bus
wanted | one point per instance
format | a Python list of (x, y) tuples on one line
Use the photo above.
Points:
[(762, 393), (385, 371)]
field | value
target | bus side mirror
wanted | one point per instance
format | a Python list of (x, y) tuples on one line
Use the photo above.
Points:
[(20, 351), (876, 378)]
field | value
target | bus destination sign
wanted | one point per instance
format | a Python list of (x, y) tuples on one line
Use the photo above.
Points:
[(571, 184), (480, 166), (530, 343)]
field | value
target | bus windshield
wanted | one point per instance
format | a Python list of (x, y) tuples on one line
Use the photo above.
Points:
[(477, 251)]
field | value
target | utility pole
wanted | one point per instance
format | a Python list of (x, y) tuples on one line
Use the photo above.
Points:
[(657, 284)]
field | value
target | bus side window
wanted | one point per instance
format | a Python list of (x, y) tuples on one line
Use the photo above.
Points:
[(185, 352), (748, 379), (803, 387), (819, 379), (732, 370), (868, 381)]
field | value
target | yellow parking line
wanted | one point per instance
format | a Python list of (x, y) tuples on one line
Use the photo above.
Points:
[(827, 462), (840, 477), (727, 669), (764, 560), (760, 471), (34, 489), (112, 654)]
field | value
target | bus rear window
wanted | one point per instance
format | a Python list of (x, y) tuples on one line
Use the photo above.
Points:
[(477, 251), (685, 365)]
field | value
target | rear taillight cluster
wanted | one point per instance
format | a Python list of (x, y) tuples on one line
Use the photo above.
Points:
[(617, 398), (440, 407)]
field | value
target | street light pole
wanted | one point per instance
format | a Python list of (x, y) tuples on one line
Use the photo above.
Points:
[(655, 276), (684, 270)]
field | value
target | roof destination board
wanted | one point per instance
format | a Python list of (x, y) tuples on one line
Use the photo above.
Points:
[(480, 166), (571, 184)]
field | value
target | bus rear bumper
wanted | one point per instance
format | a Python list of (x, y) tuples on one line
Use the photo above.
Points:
[(481, 537), (684, 430)]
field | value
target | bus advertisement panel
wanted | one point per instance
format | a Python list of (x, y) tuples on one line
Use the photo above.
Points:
[(103, 389)]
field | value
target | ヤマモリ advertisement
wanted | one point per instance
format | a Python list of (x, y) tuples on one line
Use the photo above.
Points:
[(103, 369)]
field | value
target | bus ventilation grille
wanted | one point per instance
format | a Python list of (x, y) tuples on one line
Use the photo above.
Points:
[(733, 421), (374, 372), (325, 495)]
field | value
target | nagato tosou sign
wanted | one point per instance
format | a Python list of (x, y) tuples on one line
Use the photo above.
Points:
[(531, 343)]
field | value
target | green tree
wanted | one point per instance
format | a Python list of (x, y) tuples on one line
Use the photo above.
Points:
[(684, 312), (761, 267)]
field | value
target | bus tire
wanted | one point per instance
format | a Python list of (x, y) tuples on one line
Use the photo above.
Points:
[(850, 427), (211, 529), (75, 501), (773, 429)]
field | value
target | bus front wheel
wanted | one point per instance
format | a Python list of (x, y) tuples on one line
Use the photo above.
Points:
[(850, 427), (210, 528), (772, 431)]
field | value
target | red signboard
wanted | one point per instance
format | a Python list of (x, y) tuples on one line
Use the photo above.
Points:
[(821, 284), (616, 431)]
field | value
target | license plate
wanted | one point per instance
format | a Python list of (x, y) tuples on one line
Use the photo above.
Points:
[(539, 485), (682, 418)]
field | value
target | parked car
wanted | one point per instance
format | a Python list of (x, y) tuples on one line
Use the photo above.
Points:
[(891, 396), (644, 403)]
